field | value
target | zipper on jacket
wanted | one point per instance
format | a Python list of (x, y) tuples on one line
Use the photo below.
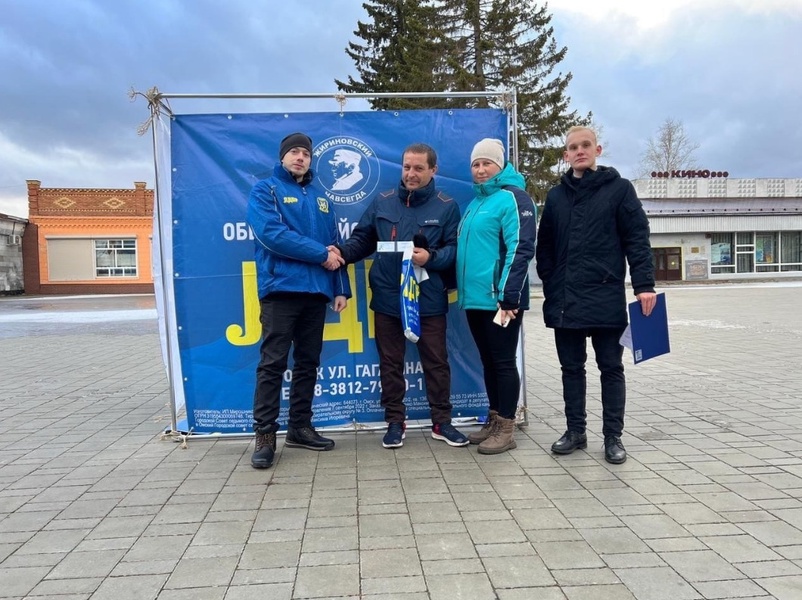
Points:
[(464, 222)]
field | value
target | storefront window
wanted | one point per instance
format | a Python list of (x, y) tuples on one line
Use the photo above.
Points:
[(766, 252), (755, 252), (721, 253), (791, 250)]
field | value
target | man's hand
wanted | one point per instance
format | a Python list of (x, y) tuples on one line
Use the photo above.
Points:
[(420, 257), (340, 302), (647, 302), (334, 260)]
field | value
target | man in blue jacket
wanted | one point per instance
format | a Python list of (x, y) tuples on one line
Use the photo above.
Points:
[(592, 225), (293, 223), (415, 212)]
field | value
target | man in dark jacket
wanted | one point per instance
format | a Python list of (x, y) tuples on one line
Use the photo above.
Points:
[(415, 210), (293, 224), (592, 224)]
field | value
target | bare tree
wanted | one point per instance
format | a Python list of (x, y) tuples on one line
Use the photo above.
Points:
[(670, 149)]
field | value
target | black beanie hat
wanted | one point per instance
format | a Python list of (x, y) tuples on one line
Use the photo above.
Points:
[(294, 140)]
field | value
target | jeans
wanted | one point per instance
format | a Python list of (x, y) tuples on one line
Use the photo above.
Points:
[(572, 353), (392, 345), (295, 322), (497, 348)]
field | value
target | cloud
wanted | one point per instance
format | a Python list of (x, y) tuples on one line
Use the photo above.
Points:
[(67, 119), (725, 69), (723, 73)]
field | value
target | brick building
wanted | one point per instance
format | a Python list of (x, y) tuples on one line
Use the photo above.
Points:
[(88, 241)]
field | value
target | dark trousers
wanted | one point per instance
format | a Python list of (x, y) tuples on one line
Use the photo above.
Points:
[(298, 322), (572, 353), (497, 348), (392, 346)]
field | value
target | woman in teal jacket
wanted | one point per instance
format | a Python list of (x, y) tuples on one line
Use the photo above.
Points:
[(496, 242)]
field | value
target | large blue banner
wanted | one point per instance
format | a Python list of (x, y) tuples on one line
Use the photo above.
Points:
[(215, 161)]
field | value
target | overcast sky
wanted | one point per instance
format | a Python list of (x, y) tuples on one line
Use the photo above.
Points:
[(729, 70)]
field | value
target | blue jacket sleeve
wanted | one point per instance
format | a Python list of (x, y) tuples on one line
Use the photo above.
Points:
[(364, 237), (519, 230), (272, 232)]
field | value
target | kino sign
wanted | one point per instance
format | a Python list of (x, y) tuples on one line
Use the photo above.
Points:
[(690, 173)]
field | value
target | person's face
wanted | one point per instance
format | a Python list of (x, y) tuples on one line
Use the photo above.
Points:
[(297, 161), (581, 150), (415, 171), (483, 169)]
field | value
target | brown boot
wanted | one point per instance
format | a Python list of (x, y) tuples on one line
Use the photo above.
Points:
[(501, 439), (477, 437)]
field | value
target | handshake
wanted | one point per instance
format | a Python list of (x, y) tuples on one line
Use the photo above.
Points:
[(335, 259), (420, 254)]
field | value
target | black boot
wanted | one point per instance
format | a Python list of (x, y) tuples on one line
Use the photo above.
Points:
[(570, 441), (614, 451), (262, 457), (307, 437)]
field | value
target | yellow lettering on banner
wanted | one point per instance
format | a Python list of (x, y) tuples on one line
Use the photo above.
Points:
[(410, 288), (252, 332), (349, 328)]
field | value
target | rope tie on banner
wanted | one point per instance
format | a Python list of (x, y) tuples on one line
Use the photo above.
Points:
[(507, 100), (155, 103), (177, 436), (341, 100)]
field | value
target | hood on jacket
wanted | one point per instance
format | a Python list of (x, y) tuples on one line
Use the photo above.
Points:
[(590, 178), (507, 176)]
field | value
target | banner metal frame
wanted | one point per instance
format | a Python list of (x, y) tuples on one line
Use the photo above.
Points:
[(159, 106)]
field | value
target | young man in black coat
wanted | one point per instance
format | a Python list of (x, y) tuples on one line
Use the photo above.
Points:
[(592, 225)]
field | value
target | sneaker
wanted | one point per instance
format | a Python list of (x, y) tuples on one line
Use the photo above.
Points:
[(449, 434), (264, 451), (394, 438), (307, 437)]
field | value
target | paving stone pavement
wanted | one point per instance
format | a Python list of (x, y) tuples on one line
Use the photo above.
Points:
[(93, 504)]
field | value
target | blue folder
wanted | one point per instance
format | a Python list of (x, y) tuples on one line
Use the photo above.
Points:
[(649, 334)]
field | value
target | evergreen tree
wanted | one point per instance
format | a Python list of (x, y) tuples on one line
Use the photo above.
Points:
[(471, 45), (497, 44), (402, 49)]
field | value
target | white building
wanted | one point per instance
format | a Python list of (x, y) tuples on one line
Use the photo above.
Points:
[(721, 228), (11, 230)]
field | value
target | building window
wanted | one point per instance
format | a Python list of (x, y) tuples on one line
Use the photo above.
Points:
[(791, 251), (766, 252), (721, 260), (744, 252), (755, 252), (115, 258)]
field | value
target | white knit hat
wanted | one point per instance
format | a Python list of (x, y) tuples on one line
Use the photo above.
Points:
[(491, 149)]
